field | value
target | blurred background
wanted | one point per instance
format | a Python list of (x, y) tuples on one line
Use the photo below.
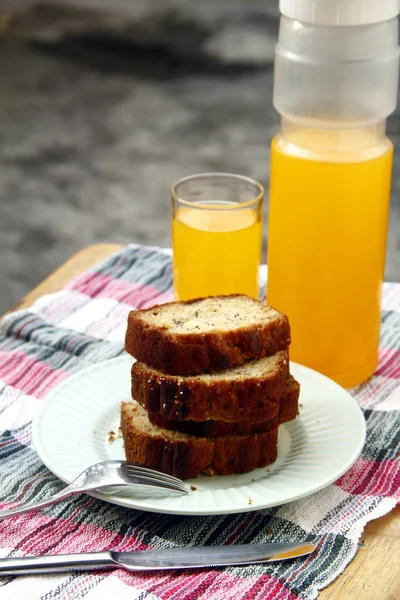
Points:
[(104, 104)]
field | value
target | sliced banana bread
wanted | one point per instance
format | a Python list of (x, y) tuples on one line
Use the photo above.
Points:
[(183, 338), (286, 411), (184, 455), (289, 404), (251, 391), (215, 429)]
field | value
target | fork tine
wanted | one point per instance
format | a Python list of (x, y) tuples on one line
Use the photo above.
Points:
[(144, 480), (155, 477), (150, 471), (140, 470), (161, 483), (140, 479)]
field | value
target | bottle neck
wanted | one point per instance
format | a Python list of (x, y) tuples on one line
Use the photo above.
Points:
[(339, 143)]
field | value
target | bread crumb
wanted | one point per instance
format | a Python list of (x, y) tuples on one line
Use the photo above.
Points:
[(112, 436), (268, 471), (301, 406), (250, 501), (94, 432), (209, 471), (253, 480), (193, 488)]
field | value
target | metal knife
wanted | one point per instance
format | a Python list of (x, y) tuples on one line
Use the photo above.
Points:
[(156, 560)]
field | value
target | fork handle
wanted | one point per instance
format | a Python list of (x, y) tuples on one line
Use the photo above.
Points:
[(19, 510)]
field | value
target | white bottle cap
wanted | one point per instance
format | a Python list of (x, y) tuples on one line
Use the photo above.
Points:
[(340, 12)]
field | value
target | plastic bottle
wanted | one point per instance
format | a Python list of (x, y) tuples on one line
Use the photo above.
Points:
[(336, 78)]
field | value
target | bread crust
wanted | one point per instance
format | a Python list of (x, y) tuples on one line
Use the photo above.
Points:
[(185, 459), (194, 353), (286, 411), (289, 407), (215, 429), (253, 398)]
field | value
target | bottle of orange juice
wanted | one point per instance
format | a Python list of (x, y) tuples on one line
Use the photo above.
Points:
[(336, 77)]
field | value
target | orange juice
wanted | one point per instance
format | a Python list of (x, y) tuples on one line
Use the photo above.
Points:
[(217, 250), (326, 253)]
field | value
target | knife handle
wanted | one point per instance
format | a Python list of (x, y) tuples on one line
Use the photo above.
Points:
[(62, 563)]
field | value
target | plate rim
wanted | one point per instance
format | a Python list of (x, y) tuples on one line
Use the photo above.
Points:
[(136, 504)]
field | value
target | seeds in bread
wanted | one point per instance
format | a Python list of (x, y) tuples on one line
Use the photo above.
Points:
[(206, 334), (185, 456), (286, 411), (251, 391)]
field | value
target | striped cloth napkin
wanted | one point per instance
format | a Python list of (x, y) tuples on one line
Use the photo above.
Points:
[(85, 323)]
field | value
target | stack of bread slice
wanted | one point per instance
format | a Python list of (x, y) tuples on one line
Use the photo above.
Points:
[(210, 385)]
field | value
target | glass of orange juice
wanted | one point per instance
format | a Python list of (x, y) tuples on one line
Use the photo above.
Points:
[(216, 235)]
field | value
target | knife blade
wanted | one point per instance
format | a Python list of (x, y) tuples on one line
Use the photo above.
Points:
[(157, 560)]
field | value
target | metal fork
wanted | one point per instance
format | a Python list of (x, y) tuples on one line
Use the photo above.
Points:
[(107, 474)]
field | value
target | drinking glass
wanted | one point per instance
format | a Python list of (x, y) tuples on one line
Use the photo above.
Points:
[(216, 235)]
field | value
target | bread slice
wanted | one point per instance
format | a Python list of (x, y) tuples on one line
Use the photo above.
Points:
[(286, 411), (250, 391), (184, 455), (215, 429), (207, 334), (289, 404)]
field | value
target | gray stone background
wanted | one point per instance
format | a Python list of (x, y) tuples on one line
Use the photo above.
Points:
[(104, 104)]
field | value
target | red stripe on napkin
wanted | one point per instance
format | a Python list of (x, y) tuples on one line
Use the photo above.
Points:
[(133, 294), (389, 363), (31, 376), (208, 584), (375, 478)]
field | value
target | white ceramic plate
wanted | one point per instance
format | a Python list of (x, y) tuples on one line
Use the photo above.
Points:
[(72, 429)]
